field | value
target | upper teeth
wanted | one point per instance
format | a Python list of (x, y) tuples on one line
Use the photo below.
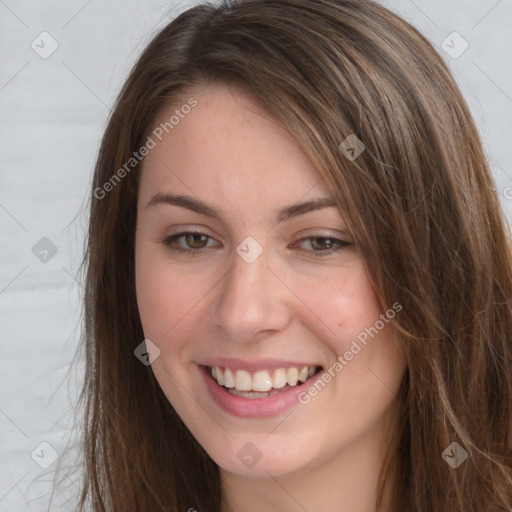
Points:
[(262, 380)]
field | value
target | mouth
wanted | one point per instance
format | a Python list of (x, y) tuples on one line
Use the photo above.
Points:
[(261, 383), (260, 393)]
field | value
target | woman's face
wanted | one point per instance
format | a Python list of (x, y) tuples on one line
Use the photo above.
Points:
[(244, 265)]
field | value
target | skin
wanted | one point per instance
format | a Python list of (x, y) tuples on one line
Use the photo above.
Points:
[(290, 304)]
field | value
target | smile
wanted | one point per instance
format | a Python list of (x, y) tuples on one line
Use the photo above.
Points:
[(257, 393), (243, 382)]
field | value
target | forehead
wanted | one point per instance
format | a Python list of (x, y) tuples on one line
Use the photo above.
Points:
[(228, 150)]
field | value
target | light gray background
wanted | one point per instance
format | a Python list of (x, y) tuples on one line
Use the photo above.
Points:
[(52, 114)]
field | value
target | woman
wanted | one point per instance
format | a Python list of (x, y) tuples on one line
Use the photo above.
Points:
[(299, 278)]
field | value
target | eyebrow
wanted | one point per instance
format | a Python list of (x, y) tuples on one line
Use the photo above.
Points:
[(198, 206), (185, 201)]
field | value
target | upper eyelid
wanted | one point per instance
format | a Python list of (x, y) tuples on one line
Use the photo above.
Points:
[(316, 234), (191, 228), (319, 232), (313, 231)]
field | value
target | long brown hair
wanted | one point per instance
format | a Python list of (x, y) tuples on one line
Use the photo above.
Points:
[(419, 201)]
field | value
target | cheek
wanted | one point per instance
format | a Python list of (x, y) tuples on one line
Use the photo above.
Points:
[(339, 309), (165, 299)]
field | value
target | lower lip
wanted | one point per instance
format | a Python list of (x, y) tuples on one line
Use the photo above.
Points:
[(253, 407)]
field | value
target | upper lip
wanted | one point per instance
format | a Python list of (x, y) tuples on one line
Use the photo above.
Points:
[(255, 365)]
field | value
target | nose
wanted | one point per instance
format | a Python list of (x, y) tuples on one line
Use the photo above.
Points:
[(252, 301)]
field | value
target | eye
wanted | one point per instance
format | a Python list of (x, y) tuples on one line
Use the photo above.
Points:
[(189, 242), (195, 240), (322, 245)]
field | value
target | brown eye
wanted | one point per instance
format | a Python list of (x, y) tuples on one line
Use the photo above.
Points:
[(196, 240), (321, 243), (190, 242)]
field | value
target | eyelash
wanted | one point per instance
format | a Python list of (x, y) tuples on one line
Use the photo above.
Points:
[(337, 243)]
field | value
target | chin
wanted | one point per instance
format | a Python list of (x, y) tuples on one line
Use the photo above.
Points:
[(257, 456)]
